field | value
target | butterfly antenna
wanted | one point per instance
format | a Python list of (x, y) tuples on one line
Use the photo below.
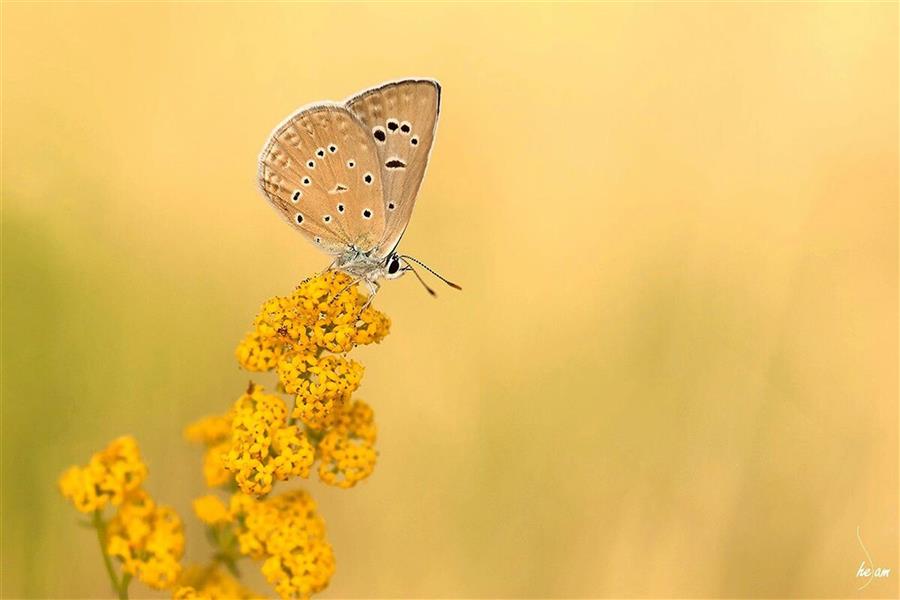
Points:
[(422, 281), (430, 270)]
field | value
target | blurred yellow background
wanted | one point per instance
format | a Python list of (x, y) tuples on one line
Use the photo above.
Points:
[(674, 367)]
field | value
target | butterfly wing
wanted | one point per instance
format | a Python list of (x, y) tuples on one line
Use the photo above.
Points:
[(401, 119), (320, 169)]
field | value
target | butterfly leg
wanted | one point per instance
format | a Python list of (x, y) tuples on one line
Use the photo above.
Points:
[(329, 267), (344, 289), (374, 286)]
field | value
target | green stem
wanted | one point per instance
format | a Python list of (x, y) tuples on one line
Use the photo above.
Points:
[(314, 435), (121, 589), (226, 544)]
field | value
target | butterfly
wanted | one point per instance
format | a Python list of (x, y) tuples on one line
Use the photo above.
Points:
[(346, 175)]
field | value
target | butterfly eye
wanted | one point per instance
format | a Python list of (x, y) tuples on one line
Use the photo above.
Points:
[(368, 178), (351, 164), (394, 266), (405, 127), (299, 219), (414, 141), (367, 214), (392, 125), (320, 152), (332, 148), (311, 164), (379, 134), (296, 195)]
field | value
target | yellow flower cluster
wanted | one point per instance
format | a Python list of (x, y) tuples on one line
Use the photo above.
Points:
[(287, 533), (148, 540), (347, 451), (110, 475), (210, 583), (264, 446), (283, 531), (300, 337), (325, 313), (303, 338), (322, 386)]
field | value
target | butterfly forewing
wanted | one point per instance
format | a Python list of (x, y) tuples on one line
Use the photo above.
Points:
[(400, 118), (321, 170)]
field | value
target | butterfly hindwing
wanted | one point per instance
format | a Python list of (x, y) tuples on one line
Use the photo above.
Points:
[(320, 169), (400, 118)]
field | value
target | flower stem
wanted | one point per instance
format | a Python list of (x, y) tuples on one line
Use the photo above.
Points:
[(123, 587), (226, 545), (121, 590)]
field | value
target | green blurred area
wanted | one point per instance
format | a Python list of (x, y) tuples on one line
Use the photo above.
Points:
[(673, 370)]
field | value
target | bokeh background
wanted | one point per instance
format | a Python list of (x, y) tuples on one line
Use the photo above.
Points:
[(673, 370)]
